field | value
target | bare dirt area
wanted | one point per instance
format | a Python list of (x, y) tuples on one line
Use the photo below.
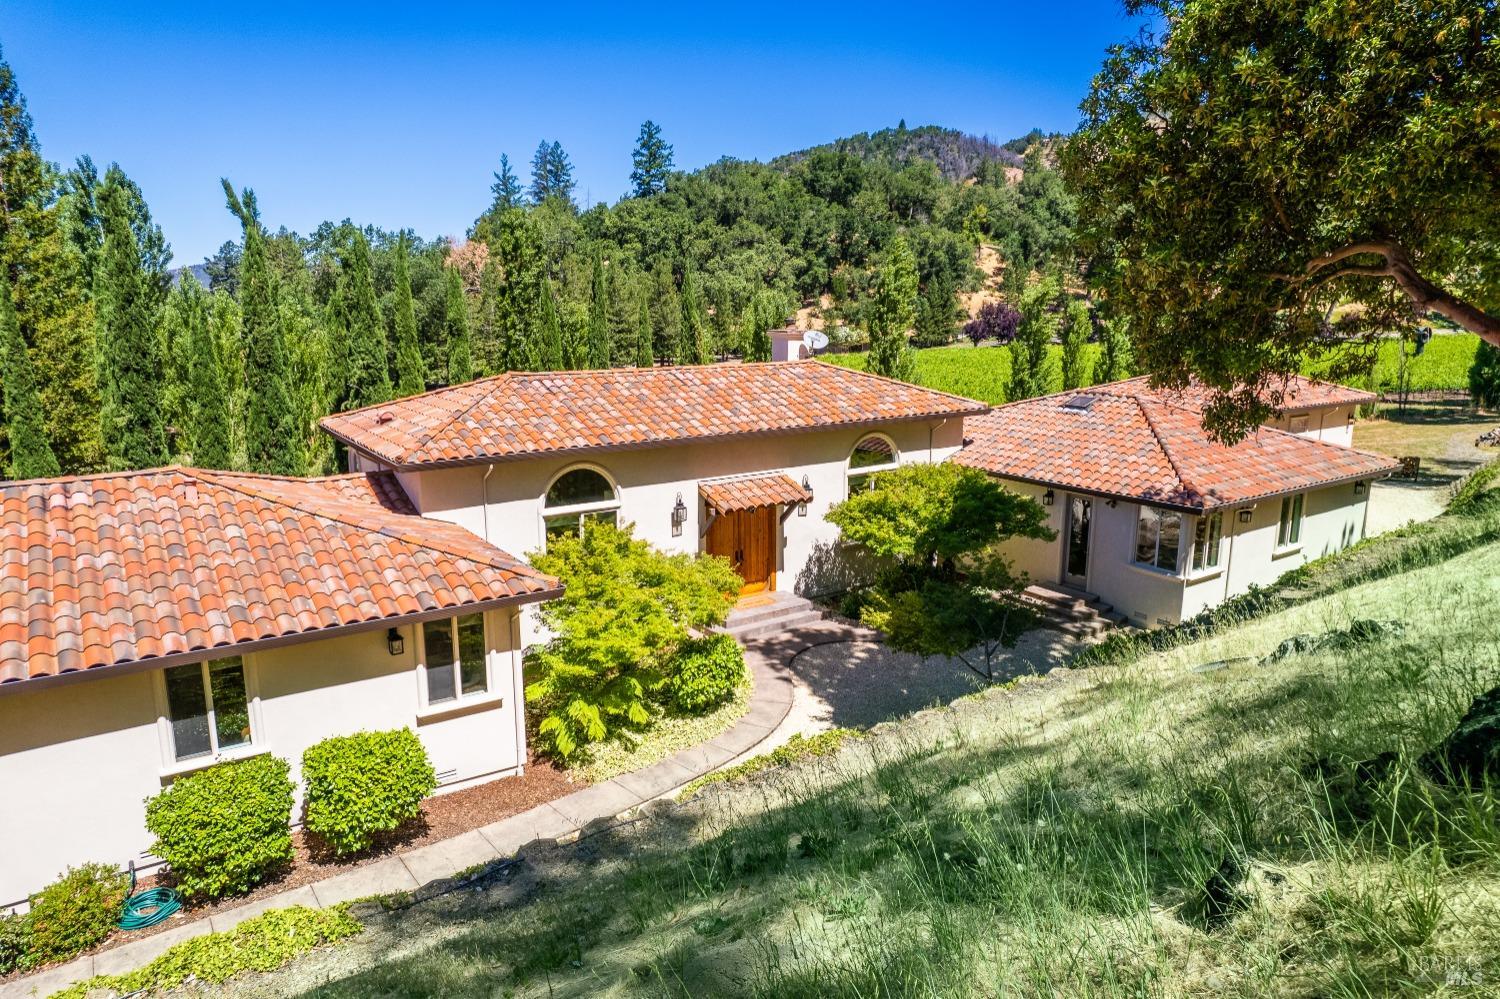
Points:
[(1441, 434)]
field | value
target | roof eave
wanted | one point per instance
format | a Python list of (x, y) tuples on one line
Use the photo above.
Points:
[(272, 642)]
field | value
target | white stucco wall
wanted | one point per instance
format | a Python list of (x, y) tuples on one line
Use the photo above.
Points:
[(1333, 519), (649, 480), (78, 760), (1331, 424)]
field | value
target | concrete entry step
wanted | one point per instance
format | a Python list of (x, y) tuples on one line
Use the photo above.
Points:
[(1075, 612), (762, 614)]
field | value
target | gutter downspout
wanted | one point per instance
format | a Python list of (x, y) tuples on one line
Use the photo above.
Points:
[(484, 498), (932, 430), (518, 689)]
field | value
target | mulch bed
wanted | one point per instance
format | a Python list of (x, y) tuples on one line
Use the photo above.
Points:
[(443, 816)]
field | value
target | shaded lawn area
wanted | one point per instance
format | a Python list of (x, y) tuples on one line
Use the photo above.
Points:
[(1441, 433), (1053, 838)]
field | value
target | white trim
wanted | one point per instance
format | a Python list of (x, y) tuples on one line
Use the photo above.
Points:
[(546, 512), (171, 765), (427, 710)]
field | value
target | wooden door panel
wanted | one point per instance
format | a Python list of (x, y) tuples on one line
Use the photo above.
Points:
[(748, 539)]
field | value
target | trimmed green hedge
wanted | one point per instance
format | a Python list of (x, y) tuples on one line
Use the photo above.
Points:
[(225, 829), (703, 673), (362, 786)]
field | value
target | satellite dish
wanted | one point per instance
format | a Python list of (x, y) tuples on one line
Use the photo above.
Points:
[(814, 340)]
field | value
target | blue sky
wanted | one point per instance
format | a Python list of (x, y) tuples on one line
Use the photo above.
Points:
[(397, 115)]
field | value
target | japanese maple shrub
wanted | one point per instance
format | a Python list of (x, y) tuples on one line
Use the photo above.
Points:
[(225, 829), (362, 786), (625, 610), (944, 589)]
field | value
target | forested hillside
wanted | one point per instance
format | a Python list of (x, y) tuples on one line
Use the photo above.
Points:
[(117, 357)]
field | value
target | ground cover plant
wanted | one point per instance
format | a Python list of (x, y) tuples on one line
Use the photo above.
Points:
[(1202, 820)]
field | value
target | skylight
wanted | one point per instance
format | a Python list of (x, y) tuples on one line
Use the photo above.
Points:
[(1083, 402)]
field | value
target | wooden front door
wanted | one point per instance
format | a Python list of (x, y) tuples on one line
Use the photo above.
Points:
[(748, 539)]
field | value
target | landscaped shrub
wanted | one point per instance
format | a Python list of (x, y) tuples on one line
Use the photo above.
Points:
[(225, 829), (13, 936), (704, 673), (363, 785), (73, 913)]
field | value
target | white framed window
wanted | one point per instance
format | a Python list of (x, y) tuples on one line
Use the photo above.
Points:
[(454, 660), (1158, 538), (1289, 529), (1208, 540), (875, 453), (577, 496), (207, 709)]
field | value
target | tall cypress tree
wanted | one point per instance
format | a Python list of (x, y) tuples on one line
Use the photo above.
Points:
[(369, 378), (411, 377), (31, 456), (694, 348), (666, 314), (724, 340), (129, 351), (186, 308), (644, 357), (892, 313), (208, 430), (50, 301), (456, 323), (549, 330), (599, 316), (1078, 325), (273, 441), (1030, 365)]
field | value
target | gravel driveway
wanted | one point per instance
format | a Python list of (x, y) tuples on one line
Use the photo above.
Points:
[(856, 684)]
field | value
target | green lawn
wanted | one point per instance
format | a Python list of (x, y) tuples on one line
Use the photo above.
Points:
[(1057, 837), (983, 372)]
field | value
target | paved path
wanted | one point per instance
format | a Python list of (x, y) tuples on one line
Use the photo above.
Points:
[(582, 812)]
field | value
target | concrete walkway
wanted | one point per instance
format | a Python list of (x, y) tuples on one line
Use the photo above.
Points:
[(582, 812)]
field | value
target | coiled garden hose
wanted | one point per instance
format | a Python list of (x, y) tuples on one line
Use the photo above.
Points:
[(149, 907)]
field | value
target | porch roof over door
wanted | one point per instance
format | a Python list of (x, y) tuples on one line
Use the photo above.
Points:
[(747, 492)]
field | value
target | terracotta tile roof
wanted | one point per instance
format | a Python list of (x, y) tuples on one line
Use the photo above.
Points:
[(111, 569), (747, 492), (1297, 394), (1125, 439), (522, 414)]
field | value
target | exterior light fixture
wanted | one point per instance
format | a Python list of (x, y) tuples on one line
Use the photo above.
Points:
[(1359, 488), (807, 487), (395, 642), (1111, 502), (1048, 498), (679, 516), (1246, 512)]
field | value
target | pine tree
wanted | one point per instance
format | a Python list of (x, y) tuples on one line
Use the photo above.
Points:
[(30, 456), (666, 314), (644, 357), (273, 440), (1115, 361), (209, 395), (456, 325), (51, 304), (411, 375), (506, 190), (369, 379), (551, 174), (1030, 365), (651, 162), (1075, 338), (129, 351), (598, 352), (694, 341), (549, 330), (892, 312)]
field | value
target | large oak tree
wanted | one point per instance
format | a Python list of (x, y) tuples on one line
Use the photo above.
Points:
[(1245, 166)]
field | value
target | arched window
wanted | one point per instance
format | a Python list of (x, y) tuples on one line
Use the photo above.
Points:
[(872, 455), (577, 496)]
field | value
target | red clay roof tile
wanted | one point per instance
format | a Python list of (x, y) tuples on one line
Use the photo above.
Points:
[(1137, 443), (747, 492), (117, 568), (520, 414)]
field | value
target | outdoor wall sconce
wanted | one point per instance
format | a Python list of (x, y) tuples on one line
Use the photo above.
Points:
[(1048, 498), (1111, 502), (1359, 488), (802, 507), (395, 642), (1246, 512), (679, 516)]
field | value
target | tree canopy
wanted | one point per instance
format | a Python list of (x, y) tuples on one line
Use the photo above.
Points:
[(1245, 168)]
